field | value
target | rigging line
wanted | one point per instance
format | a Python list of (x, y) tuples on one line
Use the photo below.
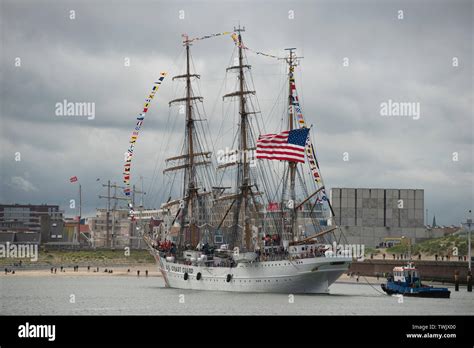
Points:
[(203, 110), (224, 87), (165, 151), (314, 220), (251, 100), (206, 177), (179, 57), (277, 102), (373, 286), (163, 187), (157, 162), (213, 113), (223, 174), (319, 170)]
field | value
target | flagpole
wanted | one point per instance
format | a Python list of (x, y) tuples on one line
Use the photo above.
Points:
[(80, 213)]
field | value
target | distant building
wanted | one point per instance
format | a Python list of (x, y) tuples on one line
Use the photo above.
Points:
[(378, 207), (118, 232), (28, 223), (121, 232), (370, 215), (148, 221)]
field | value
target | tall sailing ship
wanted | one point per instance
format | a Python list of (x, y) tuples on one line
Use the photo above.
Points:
[(252, 222)]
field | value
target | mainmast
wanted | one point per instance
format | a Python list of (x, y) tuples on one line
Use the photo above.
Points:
[(243, 170), (190, 189), (189, 128)]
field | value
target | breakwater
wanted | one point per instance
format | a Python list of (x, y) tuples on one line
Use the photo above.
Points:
[(429, 270)]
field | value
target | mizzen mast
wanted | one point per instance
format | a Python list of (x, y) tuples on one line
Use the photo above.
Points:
[(292, 61)]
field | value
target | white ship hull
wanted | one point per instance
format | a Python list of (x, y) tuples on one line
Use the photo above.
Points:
[(309, 275)]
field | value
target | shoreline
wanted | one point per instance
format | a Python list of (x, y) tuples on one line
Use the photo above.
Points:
[(131, 271), (118, 270)]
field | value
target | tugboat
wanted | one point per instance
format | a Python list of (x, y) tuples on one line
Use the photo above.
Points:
[(406, 281)]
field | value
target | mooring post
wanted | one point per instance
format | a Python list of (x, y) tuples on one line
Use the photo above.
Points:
[(469, 281), (456, 280)]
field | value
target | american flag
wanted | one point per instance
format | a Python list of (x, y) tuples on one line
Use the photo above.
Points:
[(285, 146)]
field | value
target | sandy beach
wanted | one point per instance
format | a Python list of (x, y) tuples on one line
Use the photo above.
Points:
[(130, 271)]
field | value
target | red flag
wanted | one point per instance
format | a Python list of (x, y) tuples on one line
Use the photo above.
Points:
[(73, 179), (272, 206)]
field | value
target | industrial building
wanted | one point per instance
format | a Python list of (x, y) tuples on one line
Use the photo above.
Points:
[(370, 215), (378, 207)]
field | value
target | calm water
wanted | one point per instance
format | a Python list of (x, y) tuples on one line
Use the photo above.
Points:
[(51, 295)]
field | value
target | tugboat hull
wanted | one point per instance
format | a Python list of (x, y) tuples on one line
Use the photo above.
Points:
[(431, 292)]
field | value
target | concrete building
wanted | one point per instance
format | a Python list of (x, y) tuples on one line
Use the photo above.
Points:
[(368, 216), (378, 207), (118, 234), (122, 233), (28, 223)]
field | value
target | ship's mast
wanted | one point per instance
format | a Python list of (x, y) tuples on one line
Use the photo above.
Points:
[(243, 171), (292, 62), (189, 128), (243, 145), (189, 187)]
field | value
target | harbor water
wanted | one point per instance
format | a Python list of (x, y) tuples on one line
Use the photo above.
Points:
[(128, 295)]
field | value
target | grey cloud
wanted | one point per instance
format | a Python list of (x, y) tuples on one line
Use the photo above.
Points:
[(82, 60)]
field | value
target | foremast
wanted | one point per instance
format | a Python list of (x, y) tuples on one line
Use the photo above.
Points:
[(188, 204)]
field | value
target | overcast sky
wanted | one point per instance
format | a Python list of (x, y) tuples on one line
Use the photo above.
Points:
[(82, 60)]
